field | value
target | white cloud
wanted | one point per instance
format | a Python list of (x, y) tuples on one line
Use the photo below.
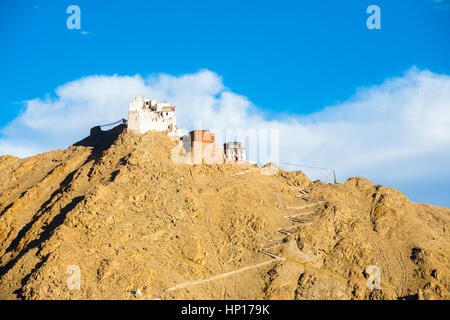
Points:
[(390, 133)]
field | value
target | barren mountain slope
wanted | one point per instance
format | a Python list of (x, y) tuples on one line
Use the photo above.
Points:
[(138, 226)]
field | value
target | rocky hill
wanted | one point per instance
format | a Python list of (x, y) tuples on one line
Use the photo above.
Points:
[(116, 213)]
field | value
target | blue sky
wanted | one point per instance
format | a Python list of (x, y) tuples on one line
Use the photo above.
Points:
[(286, 57)]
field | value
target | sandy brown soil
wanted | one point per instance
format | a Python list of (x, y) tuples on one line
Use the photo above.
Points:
[(139, 226)]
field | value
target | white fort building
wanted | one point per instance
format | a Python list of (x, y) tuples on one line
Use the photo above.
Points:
[(147, 114)]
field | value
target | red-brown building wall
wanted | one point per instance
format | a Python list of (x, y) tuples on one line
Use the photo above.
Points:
[(204, 136)]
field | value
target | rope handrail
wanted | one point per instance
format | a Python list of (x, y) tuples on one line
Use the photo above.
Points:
[(304, 165), (110, 124), (333, 172)]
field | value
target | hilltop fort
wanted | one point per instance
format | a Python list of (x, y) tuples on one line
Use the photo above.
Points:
[(146, 115)]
